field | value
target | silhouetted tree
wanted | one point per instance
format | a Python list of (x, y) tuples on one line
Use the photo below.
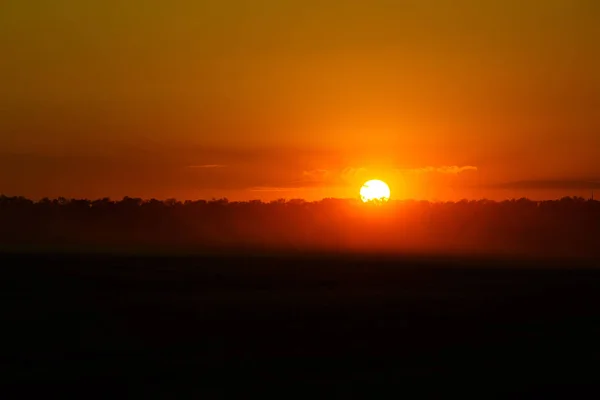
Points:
[(568, 226)]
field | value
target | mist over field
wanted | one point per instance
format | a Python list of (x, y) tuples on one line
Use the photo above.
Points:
[(566, 227)]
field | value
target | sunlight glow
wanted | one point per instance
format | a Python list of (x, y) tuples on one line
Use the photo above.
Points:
[(375, 191)]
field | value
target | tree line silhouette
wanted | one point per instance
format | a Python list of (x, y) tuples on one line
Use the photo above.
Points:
[(566, 227)]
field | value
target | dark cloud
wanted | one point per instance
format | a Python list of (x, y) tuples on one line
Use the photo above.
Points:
[(548, 184), (273, 189), (207, 166)]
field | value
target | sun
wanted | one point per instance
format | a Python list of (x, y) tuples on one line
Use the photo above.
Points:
[(375, 191)]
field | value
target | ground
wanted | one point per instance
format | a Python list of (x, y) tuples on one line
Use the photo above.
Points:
[(301, 325)]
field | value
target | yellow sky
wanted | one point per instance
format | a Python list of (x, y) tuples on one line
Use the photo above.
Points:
[(114, 98)]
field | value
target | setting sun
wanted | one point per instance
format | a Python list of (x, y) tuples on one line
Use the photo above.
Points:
[(375, 190)]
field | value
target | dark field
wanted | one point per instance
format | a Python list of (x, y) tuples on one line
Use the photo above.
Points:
[(296, 326)]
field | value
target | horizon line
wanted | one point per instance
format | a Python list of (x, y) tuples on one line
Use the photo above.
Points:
[(288, 200)]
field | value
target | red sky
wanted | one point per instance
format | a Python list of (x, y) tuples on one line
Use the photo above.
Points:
[(267, 99)]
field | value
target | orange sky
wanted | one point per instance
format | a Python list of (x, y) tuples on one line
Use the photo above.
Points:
[(266, 99)]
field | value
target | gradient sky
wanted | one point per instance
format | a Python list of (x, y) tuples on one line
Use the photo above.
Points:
[(266, 99)]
